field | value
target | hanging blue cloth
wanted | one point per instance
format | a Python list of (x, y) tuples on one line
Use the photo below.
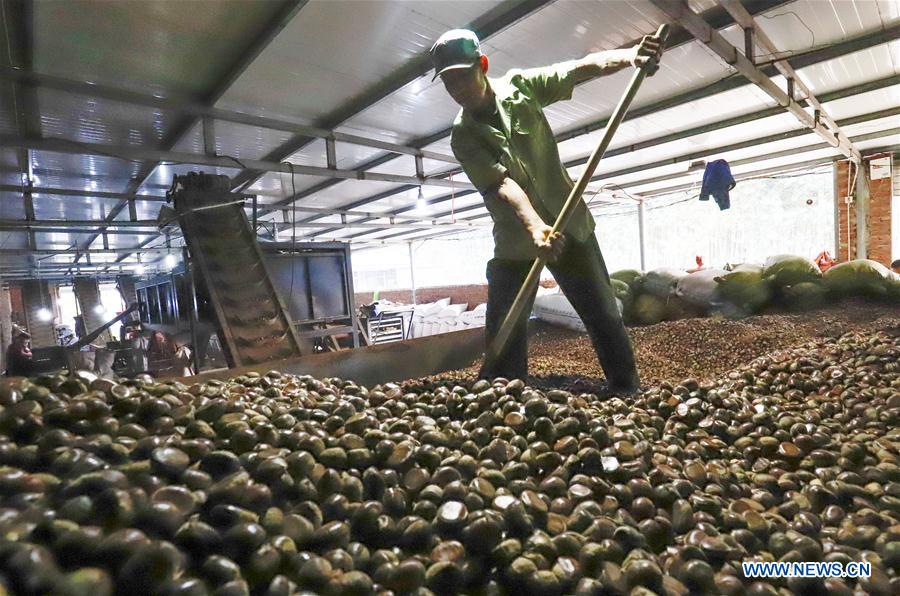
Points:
[(717, 181)]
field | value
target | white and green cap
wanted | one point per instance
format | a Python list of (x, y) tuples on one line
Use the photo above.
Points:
[(457, 48)]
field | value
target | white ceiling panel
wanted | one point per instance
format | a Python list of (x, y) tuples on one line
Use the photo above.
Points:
[(404, 165), (58, 240), (275, 185), (70, 208), (156, 46), (864, 103), (853, 69), (120, 241), (246, 142), (10, 241), (11, 205), (191, 141), (8, 101), (348, 156), (812, 23), (8, 158), (99, 182), (79, 165), (323, 58), (92, 120)]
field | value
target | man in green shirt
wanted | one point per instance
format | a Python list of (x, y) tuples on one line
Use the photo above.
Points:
[(506, 148)]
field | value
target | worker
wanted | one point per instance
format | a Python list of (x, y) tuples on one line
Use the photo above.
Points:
[(506, 148), (895, 266), (19, 360), (80, 327)]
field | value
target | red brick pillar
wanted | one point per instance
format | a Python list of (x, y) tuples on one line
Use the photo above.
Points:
[(878, 222)]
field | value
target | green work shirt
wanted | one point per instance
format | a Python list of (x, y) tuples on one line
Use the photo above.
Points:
[(525, 150)]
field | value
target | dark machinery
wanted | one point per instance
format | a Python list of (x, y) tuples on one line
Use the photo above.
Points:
[(250, 302), (252, 322), (118, 355)]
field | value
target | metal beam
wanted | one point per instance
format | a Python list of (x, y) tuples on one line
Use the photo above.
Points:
[(837, 50), (839, 94), (78, 226), (780, 136), (693, 22), (25, 103), (76, 223), (741, 176), (496, 20), (191, 107), (773, 155), (746, 20), (72, 192), (75, 251), (79, 176), (22, 225), (642, 241), (874, 85), (133, 153)]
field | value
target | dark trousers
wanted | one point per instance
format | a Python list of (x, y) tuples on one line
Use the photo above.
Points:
[(581, 273)]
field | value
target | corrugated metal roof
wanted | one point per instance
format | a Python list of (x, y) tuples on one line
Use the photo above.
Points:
[(323, 58), (153, 45)]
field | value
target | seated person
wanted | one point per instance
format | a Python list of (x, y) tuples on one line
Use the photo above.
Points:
[(19, 360)]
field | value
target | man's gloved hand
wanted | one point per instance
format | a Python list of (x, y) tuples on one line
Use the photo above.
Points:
[(549, 244), (647, 53)]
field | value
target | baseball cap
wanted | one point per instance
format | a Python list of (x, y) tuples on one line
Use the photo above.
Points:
[(457, 48)]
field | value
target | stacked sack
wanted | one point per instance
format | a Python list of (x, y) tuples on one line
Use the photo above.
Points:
[(787, 282)]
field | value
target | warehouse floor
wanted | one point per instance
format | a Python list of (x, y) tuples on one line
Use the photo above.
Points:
[(700, 349)]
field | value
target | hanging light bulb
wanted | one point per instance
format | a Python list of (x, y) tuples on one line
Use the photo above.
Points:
[(44, 315), (139, 269), (99, 310), (170, 261), (420, 201)]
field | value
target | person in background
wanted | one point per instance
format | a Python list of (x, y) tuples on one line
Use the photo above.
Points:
[(161, 348), (19, 360), (80, 328), (895, 266)]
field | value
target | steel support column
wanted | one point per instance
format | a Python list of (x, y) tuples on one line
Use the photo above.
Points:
[(412, 272), (862, 212), (641, 215)]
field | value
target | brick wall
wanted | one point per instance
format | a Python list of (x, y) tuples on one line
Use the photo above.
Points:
[(473, 294), (879, 217), (880, 221), (37, 295)]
